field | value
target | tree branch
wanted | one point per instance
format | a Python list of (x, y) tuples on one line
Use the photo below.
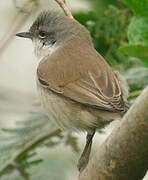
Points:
[(124, 155), (62, 4), (134, 94), (22, 173), (30, 146)]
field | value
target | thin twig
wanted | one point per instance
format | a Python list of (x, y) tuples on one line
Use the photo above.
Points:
[(65, 8), (22, 173), (134, 94), (30, 146), (16, 24)]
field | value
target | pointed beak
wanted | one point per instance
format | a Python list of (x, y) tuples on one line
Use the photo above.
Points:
[(25, 35)]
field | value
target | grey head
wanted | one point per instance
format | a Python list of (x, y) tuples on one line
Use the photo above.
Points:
[(49, 31)]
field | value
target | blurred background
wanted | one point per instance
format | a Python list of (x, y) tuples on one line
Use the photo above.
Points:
[(30, 148)]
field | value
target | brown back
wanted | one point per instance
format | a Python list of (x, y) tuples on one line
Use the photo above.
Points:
[(78, 72)]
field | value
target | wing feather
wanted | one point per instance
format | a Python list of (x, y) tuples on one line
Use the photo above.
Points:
[(88, 80)]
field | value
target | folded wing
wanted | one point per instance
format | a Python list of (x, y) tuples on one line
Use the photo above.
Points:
[(88, 80)]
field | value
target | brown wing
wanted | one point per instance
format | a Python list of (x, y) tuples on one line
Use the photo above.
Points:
[(89, 91), (82, 76)]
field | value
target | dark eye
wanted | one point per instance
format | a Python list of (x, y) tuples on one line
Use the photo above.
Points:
[(42, 34)]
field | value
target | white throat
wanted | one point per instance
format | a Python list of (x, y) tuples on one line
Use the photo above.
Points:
[(42, 51)]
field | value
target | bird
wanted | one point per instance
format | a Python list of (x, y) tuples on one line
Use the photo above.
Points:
[(77, 87)]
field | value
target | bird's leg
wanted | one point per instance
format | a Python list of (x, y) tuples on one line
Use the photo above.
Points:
[(83, 161)]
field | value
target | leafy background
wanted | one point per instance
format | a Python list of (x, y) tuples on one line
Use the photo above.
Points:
[(30, 147)]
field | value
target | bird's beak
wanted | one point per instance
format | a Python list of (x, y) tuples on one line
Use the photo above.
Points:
[(25, 35)]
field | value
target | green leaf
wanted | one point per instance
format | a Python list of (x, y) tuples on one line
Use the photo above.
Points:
[(138, 31), (137, 78), (137, 51), (139, 7)]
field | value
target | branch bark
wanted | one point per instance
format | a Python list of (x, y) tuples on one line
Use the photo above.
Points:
[(124, 155)]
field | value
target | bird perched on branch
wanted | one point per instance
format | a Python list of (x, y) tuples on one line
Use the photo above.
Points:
[(77, 87)]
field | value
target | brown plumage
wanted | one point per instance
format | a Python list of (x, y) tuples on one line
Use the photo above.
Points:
[(78, 89), (82, 76)]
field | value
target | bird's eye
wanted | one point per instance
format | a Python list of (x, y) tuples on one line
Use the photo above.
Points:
[(42, 34)]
